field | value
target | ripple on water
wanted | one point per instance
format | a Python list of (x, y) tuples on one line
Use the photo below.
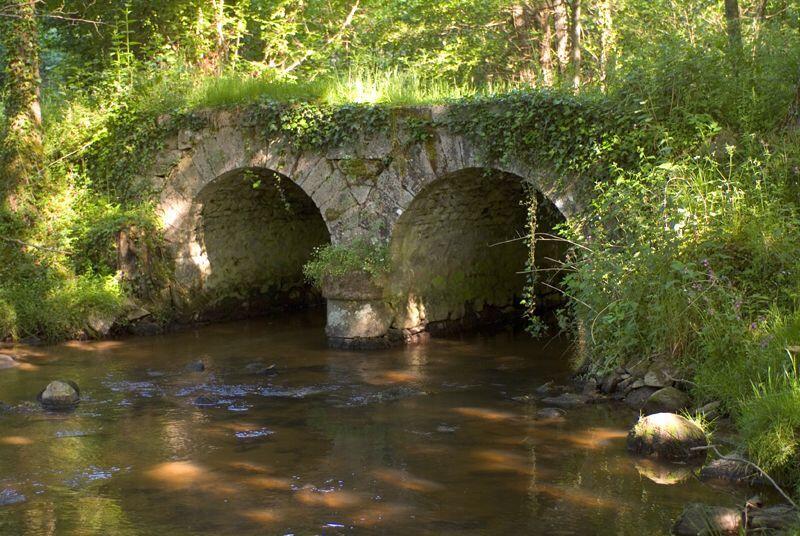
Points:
[(254, 434), (10, 496), (91, 474), (140, 389)]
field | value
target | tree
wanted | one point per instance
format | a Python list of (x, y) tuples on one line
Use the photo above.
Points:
[(605, 16), (21, 153), (543, 15), (576, 44), (560, 23), (734, 27)]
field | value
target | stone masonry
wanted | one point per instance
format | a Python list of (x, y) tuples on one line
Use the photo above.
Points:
[(244, 212)]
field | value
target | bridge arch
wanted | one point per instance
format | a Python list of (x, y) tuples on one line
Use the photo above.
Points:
[(254, 230), (458, 253)]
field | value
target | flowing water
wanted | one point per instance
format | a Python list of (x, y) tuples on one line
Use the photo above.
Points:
[(431, 439)]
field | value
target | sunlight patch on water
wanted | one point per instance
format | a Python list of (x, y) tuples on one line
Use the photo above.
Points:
[(311, 496), (406, 481), (486, 414), (16, 441)]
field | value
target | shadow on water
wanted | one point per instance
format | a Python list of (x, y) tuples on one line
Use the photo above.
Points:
[(280, 434)]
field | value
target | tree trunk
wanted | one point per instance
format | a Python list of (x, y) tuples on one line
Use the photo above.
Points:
[(220, 41), (521, 18), (21, 152), (576, 44), (606, 39), (560, 23), (545, 43), (734, 27)]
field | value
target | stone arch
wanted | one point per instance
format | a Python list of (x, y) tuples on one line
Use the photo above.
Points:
[(456, 254), (254, 229)]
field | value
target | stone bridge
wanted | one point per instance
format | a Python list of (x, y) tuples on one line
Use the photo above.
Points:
[(244, 213)]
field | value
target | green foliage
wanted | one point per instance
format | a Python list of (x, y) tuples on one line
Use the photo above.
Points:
[(698, 260), (336, 260), (53, 306)]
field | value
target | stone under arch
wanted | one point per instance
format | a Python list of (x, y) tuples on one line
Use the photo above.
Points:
[(458, 257), (255, 230)]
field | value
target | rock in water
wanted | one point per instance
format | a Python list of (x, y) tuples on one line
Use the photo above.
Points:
[(196, 366), (60, 395), (6, 362), (567, 400), (666, 400), (731, 471), (637, 397), (261, 369), (667, 436), (550, 414), (9, 496), (781, 518), (700, 519)]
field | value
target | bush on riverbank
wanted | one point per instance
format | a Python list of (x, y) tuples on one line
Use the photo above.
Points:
[(695, 256)]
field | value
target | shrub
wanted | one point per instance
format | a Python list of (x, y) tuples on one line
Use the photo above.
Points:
[(335, 260)]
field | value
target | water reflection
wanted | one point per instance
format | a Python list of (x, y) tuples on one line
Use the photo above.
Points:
[(428, 439)]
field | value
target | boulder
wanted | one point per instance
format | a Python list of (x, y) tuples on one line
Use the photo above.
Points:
[(7, 362), (10, 496), (59, 395), (729, 471), (659, 374), (590, 387), (781, 518), (98, 326), (610, 382), (710, 410), (700, 519), (145, 328), (667, 436), (666, 400), (566, 400), (638, 397)]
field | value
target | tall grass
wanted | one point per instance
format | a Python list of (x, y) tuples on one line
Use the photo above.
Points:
[(182, 90)]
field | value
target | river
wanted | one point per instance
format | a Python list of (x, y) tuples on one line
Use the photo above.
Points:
[(430, 439)]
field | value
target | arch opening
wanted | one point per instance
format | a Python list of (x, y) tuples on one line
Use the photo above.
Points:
[(457, 258), (257, 229)]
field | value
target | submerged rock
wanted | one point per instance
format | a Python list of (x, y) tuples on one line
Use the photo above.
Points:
[(700, 519), (195, 366), (667, 436), (10, 496), (550, 414), (205, 401), (60, 395), (7, 362), (666, 400), (262, 369), (566, 400), (730, 471), (546, 389)]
